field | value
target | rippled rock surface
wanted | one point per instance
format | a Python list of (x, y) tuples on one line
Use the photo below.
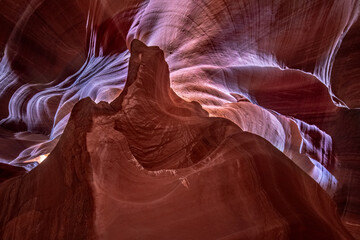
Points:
[(240, 121)]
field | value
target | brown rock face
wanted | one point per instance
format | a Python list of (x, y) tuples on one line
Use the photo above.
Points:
[(170, 172), (179, 119)]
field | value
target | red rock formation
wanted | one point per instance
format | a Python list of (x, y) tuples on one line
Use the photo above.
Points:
[(171, 172), (182, 145)]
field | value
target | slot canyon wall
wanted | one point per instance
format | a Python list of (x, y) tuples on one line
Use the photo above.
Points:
[(159, 119)]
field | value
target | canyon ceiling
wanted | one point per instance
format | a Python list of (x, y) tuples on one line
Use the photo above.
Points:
[(186, 119)]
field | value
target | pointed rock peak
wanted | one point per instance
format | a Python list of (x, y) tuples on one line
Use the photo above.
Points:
[(149, 80), (137, 45)]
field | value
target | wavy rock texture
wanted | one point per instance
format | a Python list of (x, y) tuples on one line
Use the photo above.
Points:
[(241, 124)]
